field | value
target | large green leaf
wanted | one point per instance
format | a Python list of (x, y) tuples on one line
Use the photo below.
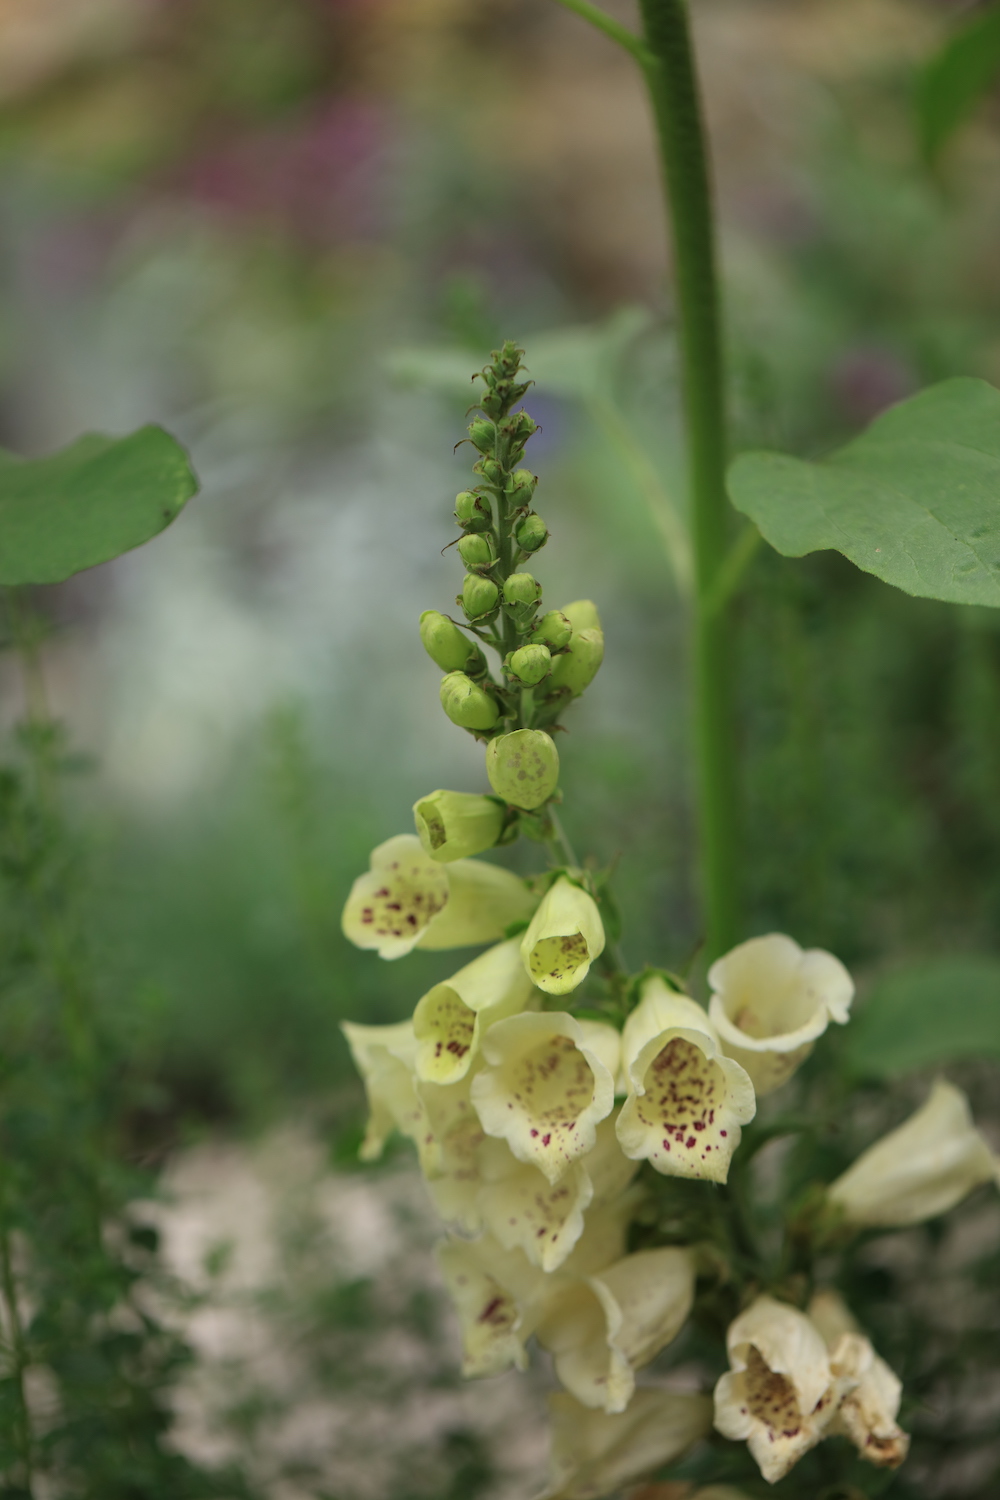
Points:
[(88, 503), (957, 78), (914, 500), (937, 1012)]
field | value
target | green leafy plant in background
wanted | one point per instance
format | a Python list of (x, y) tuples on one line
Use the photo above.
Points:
[(89, 1358), (565, 1108)]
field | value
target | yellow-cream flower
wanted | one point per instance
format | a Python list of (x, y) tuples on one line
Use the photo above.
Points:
[(565, 936), (602, 1329), (548, 1080), (595, 1454), (686, 1100), (867, 1413), (450, 1019), (772, 1000), (920, 1170), (456, 825), (780, 1394), (522, 1209), (385, 1058), (406, 900)]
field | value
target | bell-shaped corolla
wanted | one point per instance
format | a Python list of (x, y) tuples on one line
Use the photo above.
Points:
[(780, 1394), (457, 825), (451, 1018), (449, 1151), (922, 1169), (594, 1453), (771, 1001), (565, 936), (602, 1329), (406, 900), (385, 1056), (867, 1413), (498, 1296), (686, 1100), (523, 1210), (547, 1082)]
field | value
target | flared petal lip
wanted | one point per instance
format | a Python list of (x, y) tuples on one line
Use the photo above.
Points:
[(783, 1041)]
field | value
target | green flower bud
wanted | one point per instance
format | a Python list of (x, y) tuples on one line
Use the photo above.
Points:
[(520, 427), (531, 533), (523, 767), (582, 614), (577, 669), (489, 468), (529, 664), (521, 588), (483, 435), (553, 630), (472, 511), (447, 646), (479, 596), (456, 825), (476, 552), (466, 703), (524, 486)]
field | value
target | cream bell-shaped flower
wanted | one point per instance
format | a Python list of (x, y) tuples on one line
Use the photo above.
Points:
[(601, 1330), (867, 1414), (450, 1019), (523, 1210), (922, 1169), (771, 1001), (450, 1154), (548, 1080), (406, 900), (595, 1454), (385, 1056), (686, 1100), (781, 1393), (565, 936)]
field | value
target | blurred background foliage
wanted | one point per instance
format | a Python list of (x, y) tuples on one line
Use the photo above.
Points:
[(240, 218)]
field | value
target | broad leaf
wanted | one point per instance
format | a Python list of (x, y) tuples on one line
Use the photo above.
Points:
[(89, 503), (914, 500), (938, 1012), (957, 78)]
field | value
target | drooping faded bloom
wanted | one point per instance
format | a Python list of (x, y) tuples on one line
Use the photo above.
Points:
[(457, 825), (602, 1329), (523, 1210), (498, 1296), (565, 936), (385, 1056), (781, 1393), (547, 1082), (450, 1019), (407, 900), (867, 1413), (686, 1101), (922, 1169), (596, 1454), (772, 1000)]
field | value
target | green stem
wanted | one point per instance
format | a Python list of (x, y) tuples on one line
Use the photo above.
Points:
[(611, 28), (673, 93)]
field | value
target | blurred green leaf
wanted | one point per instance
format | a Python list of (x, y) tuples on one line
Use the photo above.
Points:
[(936, 1012), (956, 79), (89, 503), (914, 500)]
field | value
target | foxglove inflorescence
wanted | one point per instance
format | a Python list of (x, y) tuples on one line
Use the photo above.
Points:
[(579, 1161)]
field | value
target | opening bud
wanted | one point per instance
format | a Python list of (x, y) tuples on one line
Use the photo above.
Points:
[(472, 511), (521, 588), (479, 597), (456, 825), (531, 533), (582, 614), (565, 936), (447, 646), (578, 667), (554, 630), (523, 767), (529, 664), (476, 552), (466, 703), (483, 435)]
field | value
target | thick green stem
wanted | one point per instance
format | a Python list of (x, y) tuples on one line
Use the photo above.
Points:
[(674, 94)]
